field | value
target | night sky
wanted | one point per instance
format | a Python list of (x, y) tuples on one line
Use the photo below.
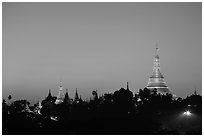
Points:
[(100, 46)]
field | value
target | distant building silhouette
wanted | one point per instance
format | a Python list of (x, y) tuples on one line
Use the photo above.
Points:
[(156, 80)]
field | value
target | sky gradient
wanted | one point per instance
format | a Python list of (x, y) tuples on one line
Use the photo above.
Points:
[(99, 46)]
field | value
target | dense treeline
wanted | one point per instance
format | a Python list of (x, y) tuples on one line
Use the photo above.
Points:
[(122, 112)]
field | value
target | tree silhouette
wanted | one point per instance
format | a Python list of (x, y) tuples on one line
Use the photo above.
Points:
[(123, 100), (9, 97)]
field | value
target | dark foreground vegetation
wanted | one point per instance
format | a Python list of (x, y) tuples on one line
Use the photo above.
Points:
[(120, 113)]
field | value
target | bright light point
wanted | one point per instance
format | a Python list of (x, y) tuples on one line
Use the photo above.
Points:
[(187, 113)]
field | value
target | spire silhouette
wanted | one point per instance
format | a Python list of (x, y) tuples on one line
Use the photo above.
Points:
[(127, 86), (195, 92), (76, 96), (66, 97), (49, 97), (49, 94)]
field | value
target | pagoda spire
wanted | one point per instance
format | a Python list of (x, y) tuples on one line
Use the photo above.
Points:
[(49, 97), (156, 80), (127, 86), (157, 47), (156, 67), (49, 92), (195, 92), (60, 96), (76, 96), (80, 99), (66, 97)]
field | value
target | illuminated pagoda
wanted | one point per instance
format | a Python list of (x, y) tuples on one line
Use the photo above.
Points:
[(60, 96), (156, 80)]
